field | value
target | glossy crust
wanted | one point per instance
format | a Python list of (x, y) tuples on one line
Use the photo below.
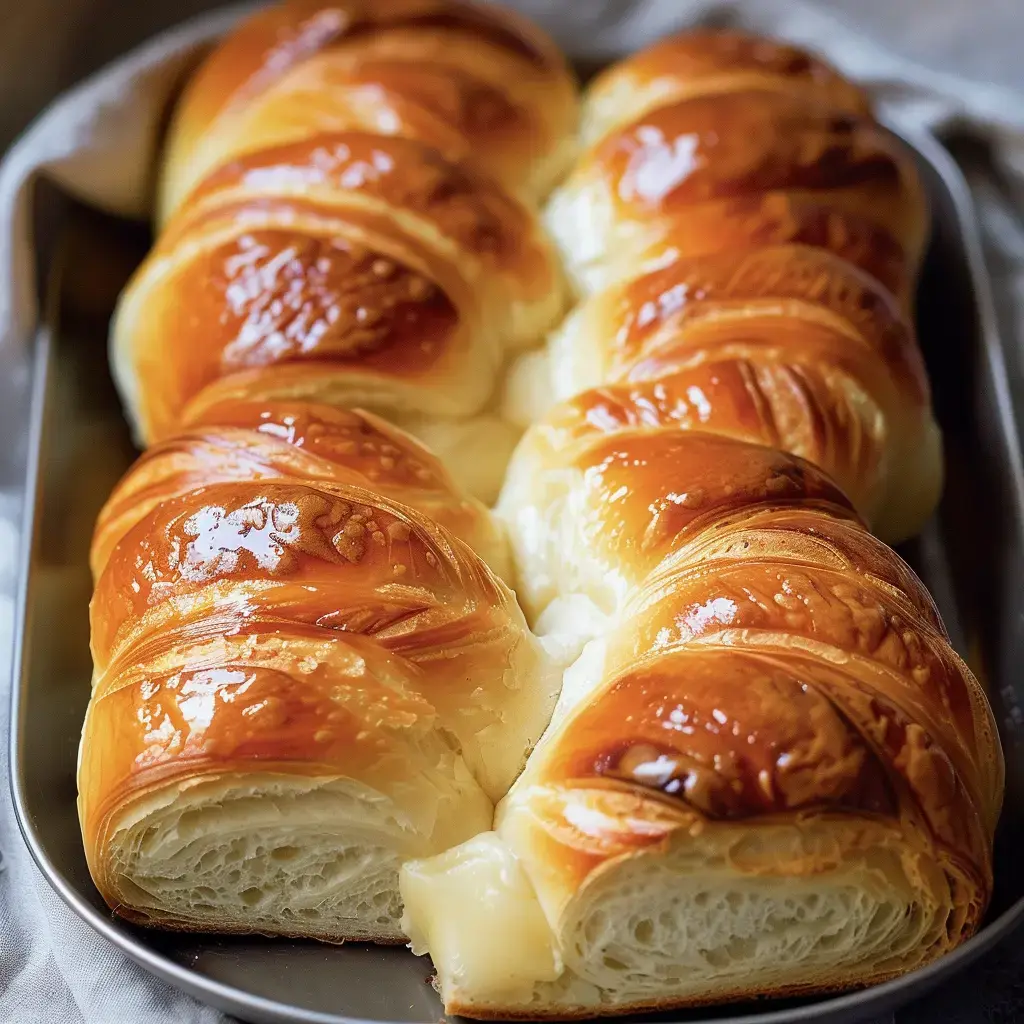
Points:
[(785, 345), (702, 63), (599, 512), (773, 689), (736, 169), (256, 630), (361, 269), (298, 555), (738, 201), (250, 440), (463, 77)]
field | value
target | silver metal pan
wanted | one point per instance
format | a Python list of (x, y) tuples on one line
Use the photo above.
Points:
[(971, 556)]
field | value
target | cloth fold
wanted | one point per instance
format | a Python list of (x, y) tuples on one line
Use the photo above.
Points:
[(98, 143)]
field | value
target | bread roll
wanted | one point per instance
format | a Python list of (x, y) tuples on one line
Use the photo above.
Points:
[(254, 441), (768, 772), (468, 79), (786, 345), (297, 685), (742, 153), (358, 269)]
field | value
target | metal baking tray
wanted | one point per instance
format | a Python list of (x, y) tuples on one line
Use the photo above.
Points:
[(971, 556)]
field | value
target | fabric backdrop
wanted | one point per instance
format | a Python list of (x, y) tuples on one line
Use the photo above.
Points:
[(97, 142)]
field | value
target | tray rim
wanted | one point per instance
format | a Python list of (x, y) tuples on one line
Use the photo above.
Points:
[(226, 997)]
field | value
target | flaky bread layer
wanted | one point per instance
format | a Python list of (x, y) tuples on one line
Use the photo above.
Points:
[(279, 855), (708, 912)]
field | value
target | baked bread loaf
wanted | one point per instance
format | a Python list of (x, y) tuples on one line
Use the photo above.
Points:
[(760, 220), (713, 140), (768, 772), (307, 668), (314, 696), (784, 345)]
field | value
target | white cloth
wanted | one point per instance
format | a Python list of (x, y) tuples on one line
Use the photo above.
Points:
[(98, 143)]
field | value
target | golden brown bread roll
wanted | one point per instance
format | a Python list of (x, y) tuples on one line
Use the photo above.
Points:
[(706, 62), (817, 354), (272, 663), (250, 440), (740, 166), (272, 656), (467, 79), (768, 772), (738, 201), (360, 269)]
